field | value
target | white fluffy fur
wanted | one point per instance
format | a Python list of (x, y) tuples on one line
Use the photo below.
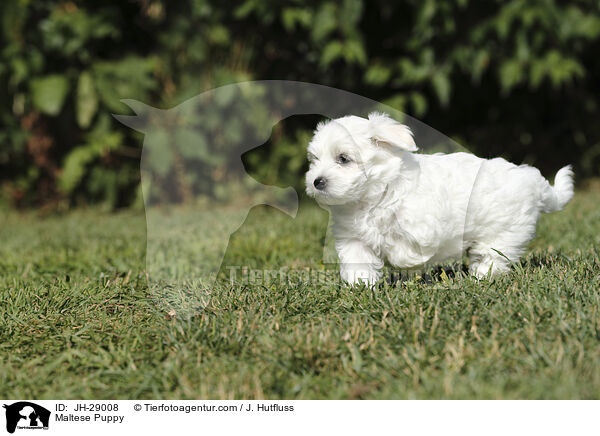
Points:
[(388, 203)]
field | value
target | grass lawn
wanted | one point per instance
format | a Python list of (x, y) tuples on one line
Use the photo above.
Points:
[(78, 319)]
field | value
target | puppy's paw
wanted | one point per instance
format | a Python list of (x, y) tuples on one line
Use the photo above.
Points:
[(358, 276), (487, 270)]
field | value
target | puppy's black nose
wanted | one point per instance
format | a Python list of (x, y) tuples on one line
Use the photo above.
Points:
[(319, 183)]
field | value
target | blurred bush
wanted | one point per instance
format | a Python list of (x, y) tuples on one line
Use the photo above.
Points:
[(514, 78)]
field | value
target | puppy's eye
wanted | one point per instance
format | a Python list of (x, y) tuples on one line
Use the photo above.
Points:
[(343, 159), (311, 157)]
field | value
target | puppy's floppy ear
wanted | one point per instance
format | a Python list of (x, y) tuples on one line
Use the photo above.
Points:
[(385, 130)]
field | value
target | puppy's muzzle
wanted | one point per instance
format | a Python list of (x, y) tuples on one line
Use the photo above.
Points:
[(320, 183)]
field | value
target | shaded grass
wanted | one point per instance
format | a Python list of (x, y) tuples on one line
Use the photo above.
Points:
[(77, 319)]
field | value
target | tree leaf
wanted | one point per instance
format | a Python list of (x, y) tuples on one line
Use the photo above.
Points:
[(511, 74), (325, 21), (355, 52), (419, 103), (48, 93), (332, 51), (377, 74), (441, 84), (87, 100)]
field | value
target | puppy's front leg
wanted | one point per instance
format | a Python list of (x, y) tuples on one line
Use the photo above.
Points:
[(358, 263)]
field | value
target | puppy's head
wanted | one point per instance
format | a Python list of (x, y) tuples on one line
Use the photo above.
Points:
[(350, 155)]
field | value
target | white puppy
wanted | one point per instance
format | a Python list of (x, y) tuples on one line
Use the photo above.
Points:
[(416, 209)]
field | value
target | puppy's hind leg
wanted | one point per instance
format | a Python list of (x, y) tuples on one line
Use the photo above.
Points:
[(358, 263)]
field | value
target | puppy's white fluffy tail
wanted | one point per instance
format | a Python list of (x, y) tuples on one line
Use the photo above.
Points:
[(557, 196)]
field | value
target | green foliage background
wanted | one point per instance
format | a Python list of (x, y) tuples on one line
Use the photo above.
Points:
[(514, 78)]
